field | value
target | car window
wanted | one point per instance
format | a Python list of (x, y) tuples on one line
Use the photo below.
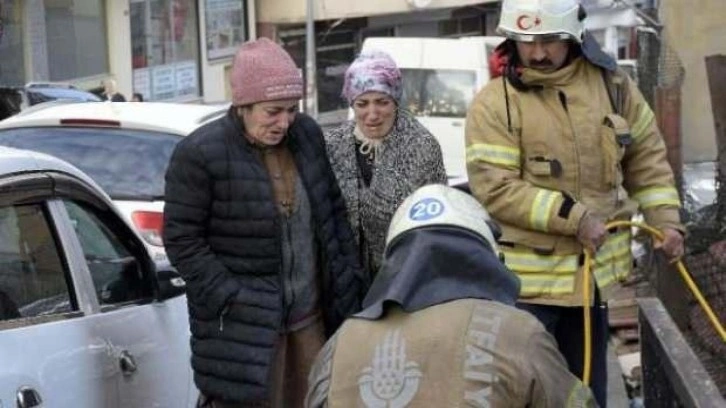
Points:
[(33, 279), (438, 93), (38, 94), (10, 102), (127, 164), (117, 273)]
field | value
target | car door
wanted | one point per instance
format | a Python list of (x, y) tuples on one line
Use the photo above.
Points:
[(149, 338), (50, 354)]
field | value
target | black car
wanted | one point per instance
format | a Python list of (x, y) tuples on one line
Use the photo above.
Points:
[(15, 99)]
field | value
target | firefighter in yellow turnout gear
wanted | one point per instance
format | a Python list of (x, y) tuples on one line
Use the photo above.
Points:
[(558, 144), (439, 327)]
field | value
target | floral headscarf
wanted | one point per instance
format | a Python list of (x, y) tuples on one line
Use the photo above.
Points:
[(373, 70)]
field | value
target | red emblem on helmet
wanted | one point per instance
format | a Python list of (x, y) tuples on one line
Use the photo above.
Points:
[(526, 22)]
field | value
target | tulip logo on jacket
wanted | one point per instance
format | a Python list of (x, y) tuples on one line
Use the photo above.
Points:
[(390, 381)]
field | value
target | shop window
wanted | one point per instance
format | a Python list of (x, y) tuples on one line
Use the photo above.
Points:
[(377, 32), (332, 63), (165, 48), (448, 28), (335, 51), (12, 71), (58, 40), (75, 38), (462, 27), (226, 27)]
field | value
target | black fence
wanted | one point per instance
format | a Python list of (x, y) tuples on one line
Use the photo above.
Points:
[(673, 375)]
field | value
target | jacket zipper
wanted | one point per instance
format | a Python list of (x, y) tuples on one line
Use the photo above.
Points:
[(260, 162), (281, 270), (563, 101), (291, 271)]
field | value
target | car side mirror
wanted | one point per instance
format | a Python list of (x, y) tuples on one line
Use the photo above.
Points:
[(169, 282)]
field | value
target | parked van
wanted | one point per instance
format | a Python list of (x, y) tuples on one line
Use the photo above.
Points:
[(441, 76)]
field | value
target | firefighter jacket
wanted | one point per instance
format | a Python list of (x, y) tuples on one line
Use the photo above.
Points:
[(542, 154), (464, 353), (439, 329)]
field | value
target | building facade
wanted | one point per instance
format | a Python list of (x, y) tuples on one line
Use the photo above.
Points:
[(166, 50), (341, 26), (613, 24), (695, 31)]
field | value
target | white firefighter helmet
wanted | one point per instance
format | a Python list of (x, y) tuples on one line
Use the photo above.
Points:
[(528, 20), (440, 205)]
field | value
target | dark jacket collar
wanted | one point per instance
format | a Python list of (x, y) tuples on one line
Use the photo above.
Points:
[(426, 267), (592, 52)]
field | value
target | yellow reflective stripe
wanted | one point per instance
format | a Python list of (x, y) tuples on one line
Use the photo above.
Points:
[(614, 271), (614, 247), (539, 215), (612, 258), (537, 284), (653, 197), (528, 262), (645, 118), (493, 154), (580, 396), (555, 274)]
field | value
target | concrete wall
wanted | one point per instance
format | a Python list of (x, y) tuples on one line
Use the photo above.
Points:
[(119, 46), (696, 29)]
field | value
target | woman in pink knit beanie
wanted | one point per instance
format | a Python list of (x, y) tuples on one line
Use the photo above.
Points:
[(255, 223), (265, 77)]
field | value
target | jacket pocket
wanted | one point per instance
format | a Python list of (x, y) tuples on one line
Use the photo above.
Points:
[(614, 139), (540, 164), (539, 242)]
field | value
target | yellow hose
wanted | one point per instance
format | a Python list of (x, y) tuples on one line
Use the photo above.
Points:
[(586, 294)]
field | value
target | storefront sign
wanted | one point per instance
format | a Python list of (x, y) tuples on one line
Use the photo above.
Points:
[(164, 82), (186, 78), (142, 83), (226, 27)]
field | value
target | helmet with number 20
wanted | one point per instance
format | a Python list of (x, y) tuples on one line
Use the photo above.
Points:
[(440, 205), (531, 20)]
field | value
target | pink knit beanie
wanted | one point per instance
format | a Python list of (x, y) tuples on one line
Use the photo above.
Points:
[(264, 71)]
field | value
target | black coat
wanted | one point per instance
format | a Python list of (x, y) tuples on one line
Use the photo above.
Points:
[(221, 232)]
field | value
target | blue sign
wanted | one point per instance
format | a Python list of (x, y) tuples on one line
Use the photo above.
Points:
[(426, 209)]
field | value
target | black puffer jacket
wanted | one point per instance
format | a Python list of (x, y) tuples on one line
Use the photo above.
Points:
[(221, 231)]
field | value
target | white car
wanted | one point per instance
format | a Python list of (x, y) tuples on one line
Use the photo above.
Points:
[(124, 147), (86, 317)]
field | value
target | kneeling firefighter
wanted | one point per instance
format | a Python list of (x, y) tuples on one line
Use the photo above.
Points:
[(439, 327)]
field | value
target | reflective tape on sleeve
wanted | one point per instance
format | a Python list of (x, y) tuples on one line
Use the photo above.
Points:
[(539, 214), (653, 197), (497, 155), (642, 123)]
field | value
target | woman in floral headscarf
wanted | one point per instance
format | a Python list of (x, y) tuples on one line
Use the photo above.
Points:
[(381, 156)]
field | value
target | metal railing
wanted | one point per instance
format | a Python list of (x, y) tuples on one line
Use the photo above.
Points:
[(673, 376)]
